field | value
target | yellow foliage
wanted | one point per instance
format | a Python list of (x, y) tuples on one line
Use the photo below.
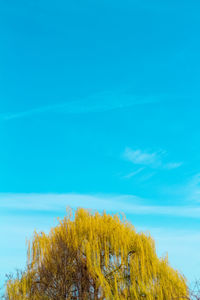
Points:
[(94, 256)]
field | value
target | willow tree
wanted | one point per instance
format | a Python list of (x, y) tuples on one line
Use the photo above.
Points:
[(94, 256)]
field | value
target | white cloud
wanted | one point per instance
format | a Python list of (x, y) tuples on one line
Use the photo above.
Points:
[(140, 158), (94, 103), (188, 191), (57, 203), (154, 160), (133, 173), (192, 188), (173, 165)]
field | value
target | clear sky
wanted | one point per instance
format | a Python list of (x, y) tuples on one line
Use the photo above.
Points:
[(99, 108)]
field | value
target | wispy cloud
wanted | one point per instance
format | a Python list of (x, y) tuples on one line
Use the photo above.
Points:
[(141, 158), (154, 160), (172, 165), (132, 174), (192, 188), (101, 102), (57, 203), (187, 192)]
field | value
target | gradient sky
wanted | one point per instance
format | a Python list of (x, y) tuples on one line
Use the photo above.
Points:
[(99, 108)]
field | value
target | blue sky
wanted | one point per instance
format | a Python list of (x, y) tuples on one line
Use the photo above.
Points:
[(99, 108)]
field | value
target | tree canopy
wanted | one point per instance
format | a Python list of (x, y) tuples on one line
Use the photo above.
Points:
[(95, 256)]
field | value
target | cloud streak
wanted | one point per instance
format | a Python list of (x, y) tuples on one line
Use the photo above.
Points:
[(153, 160), (194, 188), (188, 191), (132, 174), (96, 103), (57, 203)]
